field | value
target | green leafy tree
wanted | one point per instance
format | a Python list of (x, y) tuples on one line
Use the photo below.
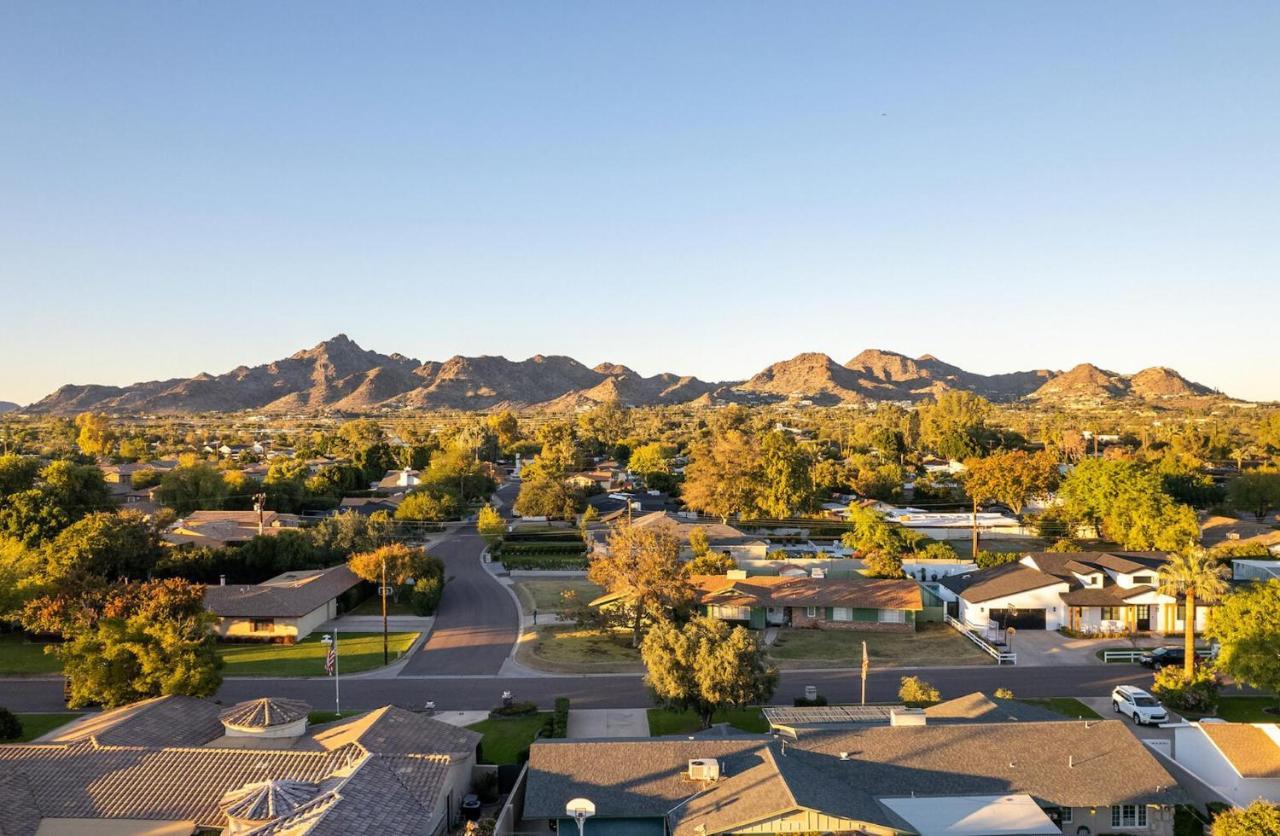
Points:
[(64, 493), (1256, 492), (135, 449), (710, 563), (648, 460), (546, 496), (723, 476), (883, 565), (341, 535), (916, 693), (1246, 625), (17, 473), (1260, 818), (103, 547), (95, 437), (428, 505), (10, 726), (403, 564), (1192, 575), (953, 425), (643, 564), (706, 666), (786, 488), (20, 576), (490, 524), (1126, 502), (988, 559), (196, 487)]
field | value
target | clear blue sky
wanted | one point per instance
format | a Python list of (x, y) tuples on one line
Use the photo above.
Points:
[(695, 187)]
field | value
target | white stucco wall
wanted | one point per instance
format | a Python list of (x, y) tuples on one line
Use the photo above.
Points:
[(1195, 751), (1048, 598)]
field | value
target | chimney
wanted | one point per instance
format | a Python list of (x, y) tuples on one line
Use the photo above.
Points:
[(907, 717)]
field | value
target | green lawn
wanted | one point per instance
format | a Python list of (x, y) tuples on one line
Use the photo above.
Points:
[(1067, 707), (356, 652), (316, 718), (930, 644), (373, 606), (20, 656), (35, 725), (507, 739), (664, 721), (571, 650), (544, 595), (1248, 709)]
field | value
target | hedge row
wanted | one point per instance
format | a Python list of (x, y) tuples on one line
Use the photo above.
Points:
[(540, 548), (543, 537), (560, 718), (551, 562)]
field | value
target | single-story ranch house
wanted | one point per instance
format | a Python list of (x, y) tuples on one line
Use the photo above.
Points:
[(723, 538), (285, 608), (798, 601)]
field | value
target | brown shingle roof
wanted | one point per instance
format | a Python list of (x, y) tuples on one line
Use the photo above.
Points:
[(275, 599), (1249, 749), (998, 582), (778, 591)]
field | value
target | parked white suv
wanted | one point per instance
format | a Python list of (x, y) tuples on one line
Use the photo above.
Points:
[(1138, 705)]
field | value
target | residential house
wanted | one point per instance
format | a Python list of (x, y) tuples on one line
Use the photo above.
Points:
[(1239, 761), (913, 776), (285, 608), (122, 474), (723, 538), (790, 601), (179, 765), (398, 481), (1011, 595), (1217, 530), (1249, 569), (369, 505), (227, 528)]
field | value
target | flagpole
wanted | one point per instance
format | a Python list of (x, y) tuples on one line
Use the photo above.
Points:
[(865, 665), (337, 700)]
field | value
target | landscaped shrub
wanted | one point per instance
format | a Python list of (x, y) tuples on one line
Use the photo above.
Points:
[(1199, 693), (816, 702), (549, 564), (560, 718), (10, 725), (516, 709), (916, 693)]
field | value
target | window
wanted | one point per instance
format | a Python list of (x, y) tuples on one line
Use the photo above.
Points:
[(810, 612), (892, 617), (841, 614), (1065, 814), (727, 613), (1147, 579), (263, 625), (1113, 613), (1129, 815)]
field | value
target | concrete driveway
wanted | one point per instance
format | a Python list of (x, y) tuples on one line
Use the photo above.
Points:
[(1051, 648), (608, 722)]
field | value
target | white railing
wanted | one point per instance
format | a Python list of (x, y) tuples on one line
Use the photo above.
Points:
[(1002, 657), (1122, 655)]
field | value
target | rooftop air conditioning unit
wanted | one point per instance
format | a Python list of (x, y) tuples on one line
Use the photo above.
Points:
[(704, 769)]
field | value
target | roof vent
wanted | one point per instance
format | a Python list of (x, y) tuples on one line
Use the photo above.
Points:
[(844, 756), (818, 572), (907, 717), (704, 769), (736, 574)]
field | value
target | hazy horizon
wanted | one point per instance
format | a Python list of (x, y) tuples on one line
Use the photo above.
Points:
[(703, 189)]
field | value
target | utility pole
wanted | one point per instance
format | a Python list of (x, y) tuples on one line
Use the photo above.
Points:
[(259, 503), (383, 590)]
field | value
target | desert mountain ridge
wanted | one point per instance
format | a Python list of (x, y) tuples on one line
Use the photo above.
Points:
[(337, 375)]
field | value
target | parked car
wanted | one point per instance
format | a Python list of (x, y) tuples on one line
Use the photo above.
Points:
[(1171, 655), (1138, 705)]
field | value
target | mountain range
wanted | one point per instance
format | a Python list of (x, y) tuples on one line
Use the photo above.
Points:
[(339, 376)]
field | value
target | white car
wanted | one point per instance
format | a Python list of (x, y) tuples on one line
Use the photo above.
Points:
[(1138, 705)]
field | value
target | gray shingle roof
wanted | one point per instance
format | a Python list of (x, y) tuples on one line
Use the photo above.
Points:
[(998, 582), (980, 708), (395, 731), (272, 600), (264, 713)]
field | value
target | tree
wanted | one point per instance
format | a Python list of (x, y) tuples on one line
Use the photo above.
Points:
[(10, 726), (706, 666), (1125, 501), (643, 564), (428, 505), (96, 437), (1192, 575), (883, 565), (17, 473), (606, 424), (131, 642), (710, 563), (649, 459), (1257, 492), (786, 488), (547, 496), (1260, 818), (195, 487), (403, 564), (951, 426), (988, 559), (342, 535), (102, 546), (1012, 478), (20, 574), (1246, 626), (916, 693), (134, 449), (490, 524), (64, 493), (722, 477), (699, 543)]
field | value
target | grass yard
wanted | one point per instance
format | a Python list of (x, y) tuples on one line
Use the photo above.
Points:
[(544, 595), (35, 725), (571, 650), (20, 656), (373, 606), (930, 644), (356, 652), (664, 721), (316, 718), (1248, 709), (507, 739), (1067, 707)]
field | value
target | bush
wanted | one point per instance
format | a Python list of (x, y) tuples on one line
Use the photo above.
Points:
[(816, 702), (1003, 694), (1198, 693), (560, 718), (558, 563), (917, 693), (516, 709), (10, 725)]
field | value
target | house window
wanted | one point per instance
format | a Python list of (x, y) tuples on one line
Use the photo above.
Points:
[(892, 617), (1129, 815), (1147, 579), (1064, 813), (1113, 613), (263, 625), (810, 612), (726, 613), (841, 614), (1180, 614)]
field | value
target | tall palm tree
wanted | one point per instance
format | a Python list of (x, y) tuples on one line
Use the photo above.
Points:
[(1191, 574)]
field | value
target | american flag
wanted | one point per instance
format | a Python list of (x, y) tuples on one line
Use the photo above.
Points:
[(331, 659)]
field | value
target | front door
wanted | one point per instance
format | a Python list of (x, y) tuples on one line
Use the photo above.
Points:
[(1144, 619)]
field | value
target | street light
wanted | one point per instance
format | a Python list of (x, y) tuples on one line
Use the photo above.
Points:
[(581, 809)]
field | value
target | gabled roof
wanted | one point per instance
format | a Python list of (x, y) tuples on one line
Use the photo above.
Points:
[(395, 731), (681, 527), (980, 708), (783, 591), (1107, 595), (1250, 750), (998, 582), (162, 721), (293, 597), (1067, 564)]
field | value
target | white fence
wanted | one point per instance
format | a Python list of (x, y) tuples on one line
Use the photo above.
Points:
[(1002, 657), (1122, 655)]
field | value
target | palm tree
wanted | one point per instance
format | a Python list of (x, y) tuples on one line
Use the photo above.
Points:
[(1191, 574)]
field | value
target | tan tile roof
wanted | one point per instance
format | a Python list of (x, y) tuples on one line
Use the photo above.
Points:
[(1249, 749), (780, 591), (264, 713)]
